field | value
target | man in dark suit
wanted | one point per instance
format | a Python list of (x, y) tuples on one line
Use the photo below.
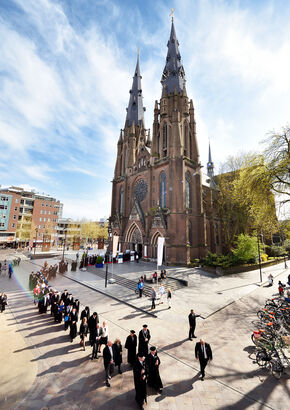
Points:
[(204, 354), (109, 359), (97, 334), (144, 337), (192, 323)]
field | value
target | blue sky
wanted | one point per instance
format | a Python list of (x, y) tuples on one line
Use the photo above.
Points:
[(66, 68)]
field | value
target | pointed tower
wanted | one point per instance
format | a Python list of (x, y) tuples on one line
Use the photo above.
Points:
[(135, 110), (210, 164), (173, 77)]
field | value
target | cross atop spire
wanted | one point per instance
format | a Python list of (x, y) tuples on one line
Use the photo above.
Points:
[(173, 77), (135, 110)]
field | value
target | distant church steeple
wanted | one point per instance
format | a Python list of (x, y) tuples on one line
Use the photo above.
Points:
[(135, 110), (210, 164), (173, 77)]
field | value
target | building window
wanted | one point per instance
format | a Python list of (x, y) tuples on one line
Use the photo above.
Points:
[(14, 217), (187, 190), (45, 212), (189, 233), (124, 161), (121, 200), (48, 219), (13, 225), (40, 219), (42, 204), (16, 200), (164, 140), (49, 212), (41, 211), (185, 138), (44, 219), (15, 209), (163, 190)]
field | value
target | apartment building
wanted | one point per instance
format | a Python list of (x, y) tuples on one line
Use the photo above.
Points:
[(30, 218)]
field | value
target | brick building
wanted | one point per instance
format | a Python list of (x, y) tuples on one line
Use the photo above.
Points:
[(158, 187), (32, 219)]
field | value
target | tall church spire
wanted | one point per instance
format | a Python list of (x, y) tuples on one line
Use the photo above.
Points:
[(210, 164), (135, 110), (173, 77)]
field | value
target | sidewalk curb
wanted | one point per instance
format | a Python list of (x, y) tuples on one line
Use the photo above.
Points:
[(113, 297)]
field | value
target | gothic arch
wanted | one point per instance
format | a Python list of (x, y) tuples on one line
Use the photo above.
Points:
[(154, 239), (134, 234)]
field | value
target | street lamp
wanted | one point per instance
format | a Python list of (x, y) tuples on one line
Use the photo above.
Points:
[(108, 255), (64, 245), (260, 266), (36, 232)]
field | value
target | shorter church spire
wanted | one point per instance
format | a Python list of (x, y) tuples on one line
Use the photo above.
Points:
[(135, 110), (210, 164)]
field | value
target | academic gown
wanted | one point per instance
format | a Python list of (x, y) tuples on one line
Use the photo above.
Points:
[(73, 326), (131, 345), (143, 346), (140, 383), (154, 379)]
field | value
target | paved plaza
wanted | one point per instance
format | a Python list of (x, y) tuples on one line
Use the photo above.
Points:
[(43, 370)]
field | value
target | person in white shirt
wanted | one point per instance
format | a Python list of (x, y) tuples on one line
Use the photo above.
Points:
[(203, 353), (109, 361)]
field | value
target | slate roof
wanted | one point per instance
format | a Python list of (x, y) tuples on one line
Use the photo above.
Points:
[(135, 110)]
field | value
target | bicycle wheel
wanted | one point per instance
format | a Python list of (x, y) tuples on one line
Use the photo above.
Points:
[(262, 358), (260, 314), (275, 368)]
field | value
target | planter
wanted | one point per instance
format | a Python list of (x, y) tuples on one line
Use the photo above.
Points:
[(99, 265)]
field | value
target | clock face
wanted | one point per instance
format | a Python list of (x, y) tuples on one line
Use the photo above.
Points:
[(140, 190)]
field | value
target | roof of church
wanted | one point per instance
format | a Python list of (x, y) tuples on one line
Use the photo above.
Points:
[(173, 76), (135, 110), (209, 154)]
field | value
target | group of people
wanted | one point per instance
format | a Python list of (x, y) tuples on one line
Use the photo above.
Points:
[(161, 294), (6, 268)]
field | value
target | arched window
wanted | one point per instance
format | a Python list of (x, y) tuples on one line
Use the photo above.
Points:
[(190, 145), (217, 239), (185, 138), (189, 233), (124, 161), (164, 140), (121, 200), (163, 190), (187, 190)]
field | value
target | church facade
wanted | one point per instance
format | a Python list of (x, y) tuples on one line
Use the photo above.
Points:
[(158, 187)]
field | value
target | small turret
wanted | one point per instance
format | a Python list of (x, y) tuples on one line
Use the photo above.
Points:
[(210, 164)]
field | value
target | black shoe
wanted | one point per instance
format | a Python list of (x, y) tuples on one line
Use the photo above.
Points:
[(120, 372), (108, 384), (189, 338), (202, 379), (194, 337)]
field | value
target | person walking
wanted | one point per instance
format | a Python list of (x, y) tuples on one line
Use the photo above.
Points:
[(3, 302), (117, 348), (140, 288), (85, 313), (153, 298), (97, 341), (73, 324), (140, 377), (144, 337), (203, 353), (152, 363), (108, 356), (131, 346), (161, 294), (84, 332), (192, 323), (169, 296), (105, 336), (92, 322)]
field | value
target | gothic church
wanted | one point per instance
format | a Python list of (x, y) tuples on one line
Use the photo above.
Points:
[(158, 186)]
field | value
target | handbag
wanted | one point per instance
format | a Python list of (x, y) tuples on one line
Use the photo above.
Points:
[(66, 318)]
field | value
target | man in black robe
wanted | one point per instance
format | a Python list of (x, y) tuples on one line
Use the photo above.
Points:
[(73, 318), (152, 363), (109, 361), (64, 296), (131, 345), (139, 371), (92, 323), (144, 337), (85, 313)]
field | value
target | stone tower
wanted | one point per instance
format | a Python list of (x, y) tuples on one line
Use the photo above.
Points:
[(157, 186)]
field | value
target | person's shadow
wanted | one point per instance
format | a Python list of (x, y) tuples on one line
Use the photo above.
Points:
[(176, 389)]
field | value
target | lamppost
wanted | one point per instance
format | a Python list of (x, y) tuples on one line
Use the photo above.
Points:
[(36, 232), (285, 259), (107, 256), (64, 245), (260, 266)]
